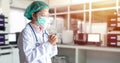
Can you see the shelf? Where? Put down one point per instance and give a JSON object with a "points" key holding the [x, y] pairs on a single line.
{"points": [[61, 13], [104, 4], [119, 2], [61, 9], [96, 48], [76, 7], [51, 15], [93, 15]]}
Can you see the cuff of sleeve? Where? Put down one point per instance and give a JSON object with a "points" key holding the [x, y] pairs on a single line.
{"points": [[48, 45]]}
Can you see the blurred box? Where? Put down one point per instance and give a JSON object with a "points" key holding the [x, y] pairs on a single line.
{"points": [[67, 36], [113, 40]]}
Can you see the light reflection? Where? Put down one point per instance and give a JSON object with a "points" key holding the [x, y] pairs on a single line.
{"points": [[85, 1]]}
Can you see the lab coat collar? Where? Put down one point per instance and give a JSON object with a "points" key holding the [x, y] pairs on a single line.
{"points": [[36, 28]]}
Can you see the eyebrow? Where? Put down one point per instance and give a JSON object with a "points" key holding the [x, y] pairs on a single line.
{"points": [[36, 12]]}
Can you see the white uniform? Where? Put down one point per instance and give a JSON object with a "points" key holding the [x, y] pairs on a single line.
{"points": [[35, 49]]}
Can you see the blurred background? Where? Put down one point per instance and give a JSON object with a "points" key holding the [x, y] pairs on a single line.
{"points": [[88, 30]]}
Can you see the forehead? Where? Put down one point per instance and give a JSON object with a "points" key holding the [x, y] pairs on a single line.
{"points": [[44, 10]]}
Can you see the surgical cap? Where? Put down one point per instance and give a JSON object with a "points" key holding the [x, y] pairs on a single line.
{"points": [[34, 7]]}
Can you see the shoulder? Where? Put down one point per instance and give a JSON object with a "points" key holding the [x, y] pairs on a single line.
{"points": [[27, 29]]}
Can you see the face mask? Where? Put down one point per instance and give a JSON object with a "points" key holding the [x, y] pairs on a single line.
{"points": [[42, 21]]}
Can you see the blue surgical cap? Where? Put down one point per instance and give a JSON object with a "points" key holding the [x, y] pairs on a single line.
{"points": [[34, 7]]}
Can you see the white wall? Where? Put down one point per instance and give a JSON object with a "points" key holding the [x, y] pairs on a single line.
{"points": [[22, 3], [17, 20], [0, 3], [5, 6]]}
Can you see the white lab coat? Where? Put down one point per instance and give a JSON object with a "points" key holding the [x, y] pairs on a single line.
{"points": [[29, 52]]}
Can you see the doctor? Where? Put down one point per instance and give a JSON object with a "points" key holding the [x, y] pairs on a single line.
{"points": [[34, 43]]}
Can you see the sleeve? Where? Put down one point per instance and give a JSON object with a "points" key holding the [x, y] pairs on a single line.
{"points": [[53, 50], [33, 53]]}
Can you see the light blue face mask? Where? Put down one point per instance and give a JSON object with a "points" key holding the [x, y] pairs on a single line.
{"points": [[42, 21]]}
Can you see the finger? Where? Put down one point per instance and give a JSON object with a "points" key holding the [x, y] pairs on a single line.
{"points": [[52, 36], [54, 39], [49, 36]]}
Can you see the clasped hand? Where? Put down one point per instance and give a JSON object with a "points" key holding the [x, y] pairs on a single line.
{"points": [[53, 39]]}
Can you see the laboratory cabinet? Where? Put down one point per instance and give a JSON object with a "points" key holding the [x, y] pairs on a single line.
{"points": [[88, 17], [6, 55], [83, 15], [15, 55], [68, 53], [6, 58], [89, 54], [9, 54], [113, 40]]}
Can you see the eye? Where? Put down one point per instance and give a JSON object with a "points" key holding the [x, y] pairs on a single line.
{"points": [[43, 14]]}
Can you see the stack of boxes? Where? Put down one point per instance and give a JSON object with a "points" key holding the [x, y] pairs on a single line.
{"points": [[113, 23]]}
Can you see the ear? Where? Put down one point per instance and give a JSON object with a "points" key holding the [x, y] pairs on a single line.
{"points": [[34, 17]]}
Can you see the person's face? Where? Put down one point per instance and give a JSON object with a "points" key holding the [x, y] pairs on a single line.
{"points": [[41, 14]]}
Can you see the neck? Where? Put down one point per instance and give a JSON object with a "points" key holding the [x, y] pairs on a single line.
{"points": [[36, 26]]}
